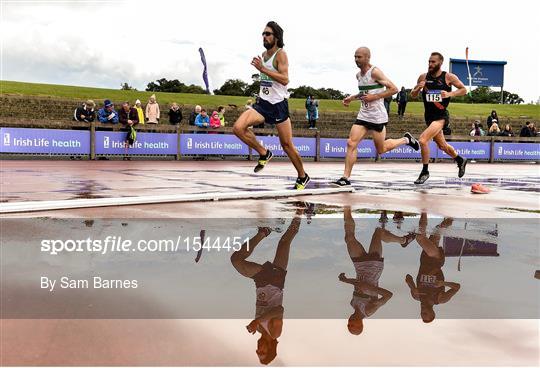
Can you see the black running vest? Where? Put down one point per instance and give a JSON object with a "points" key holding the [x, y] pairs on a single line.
{"points": [[434, 104]]}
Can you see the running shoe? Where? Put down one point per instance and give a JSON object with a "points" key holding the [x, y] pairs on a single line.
{"points": [[461, 168], [301, 183], [478, 188], [342, 182], [422, 178], [408, 239], [412, 141], [263, 160]]}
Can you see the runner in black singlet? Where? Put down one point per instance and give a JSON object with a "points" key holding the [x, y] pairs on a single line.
{"points": [[436, 86]]}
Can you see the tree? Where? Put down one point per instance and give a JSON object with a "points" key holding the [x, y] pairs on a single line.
{"points": [[126, 87], [174, 86], [482, 95], [255, 86], [321, 93], [232, 87]]}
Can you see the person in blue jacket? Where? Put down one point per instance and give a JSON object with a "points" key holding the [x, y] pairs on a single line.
{"points": [[107, 114], [202, 120]]}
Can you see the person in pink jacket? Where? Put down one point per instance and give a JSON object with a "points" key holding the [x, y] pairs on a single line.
{"points": [[152, 111], [215, 121]]}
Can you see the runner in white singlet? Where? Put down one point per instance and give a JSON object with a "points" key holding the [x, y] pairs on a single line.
{"points": [[373, 88], [368, 296], [269, 280], [272, 106]]}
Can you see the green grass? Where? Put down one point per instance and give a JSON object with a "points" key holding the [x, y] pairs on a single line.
{"points": [[99, 94]]}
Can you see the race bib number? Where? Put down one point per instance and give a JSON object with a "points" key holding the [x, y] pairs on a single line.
{"points": [[265, 86], [434, 96]]}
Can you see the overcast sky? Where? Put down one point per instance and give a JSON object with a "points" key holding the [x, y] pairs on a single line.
{"points": [[105, 43]]}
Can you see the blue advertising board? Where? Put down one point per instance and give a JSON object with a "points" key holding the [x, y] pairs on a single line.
{"points": [[483, 73]]}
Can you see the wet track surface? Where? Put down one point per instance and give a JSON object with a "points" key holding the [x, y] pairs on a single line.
{"points": [[390, 275]]}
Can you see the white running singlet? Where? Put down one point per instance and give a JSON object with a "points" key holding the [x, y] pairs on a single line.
{"points": [[271, 90], [372, 112]]}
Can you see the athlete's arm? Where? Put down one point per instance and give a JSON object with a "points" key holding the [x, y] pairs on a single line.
{"points": [[282, 66], [379, 76], [447, 295], [453, 80], [419, 85], [414, 290]]}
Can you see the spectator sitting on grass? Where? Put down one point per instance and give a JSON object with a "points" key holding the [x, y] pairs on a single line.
{"points": [[107, 114], [152, 111], [194, 114], [492, 118], [85, 112], [507, 132], [494, 129], [221, 113], [526, 130], [476, 129], [140, 111], [128, 117], [175, 114], [202, 120]]}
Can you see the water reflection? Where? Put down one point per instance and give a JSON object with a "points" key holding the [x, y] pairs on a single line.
{"points": [[368, 296], [430, 287], [269, 279]]}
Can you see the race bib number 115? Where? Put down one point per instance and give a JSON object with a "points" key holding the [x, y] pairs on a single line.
{"points": [[434, 96]]}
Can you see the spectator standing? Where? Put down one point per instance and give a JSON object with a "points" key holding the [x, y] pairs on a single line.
{"points": [[85, 113], [402, 99], [387, 102], [107, 114], [494, 129], [152, 111], [129, 118], [193, 115], [202, 120], [526, 130], [491, 117], [534, 133], [215, 121], [221, 113], [312, 107], [175, 114], [507, 131], [140, 111]]}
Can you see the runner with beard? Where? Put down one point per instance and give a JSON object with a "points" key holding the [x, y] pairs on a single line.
{"points": [[272, 106], [436, 86]]}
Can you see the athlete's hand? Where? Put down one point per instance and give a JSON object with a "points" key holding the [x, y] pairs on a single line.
{"points": [[347, 101], [252, 327], [257, 63], [446, 94], [420, 85], [369, 98]]}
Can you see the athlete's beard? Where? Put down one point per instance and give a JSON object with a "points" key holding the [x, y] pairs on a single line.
{"points": [[268, 45], [435, 69]]}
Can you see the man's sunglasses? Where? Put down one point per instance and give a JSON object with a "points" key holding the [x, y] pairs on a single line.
{"points": [[267, 34]]}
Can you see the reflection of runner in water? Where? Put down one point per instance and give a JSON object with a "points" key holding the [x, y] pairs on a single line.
{"points": [[430, 285], [269, 282], [368, 297]]}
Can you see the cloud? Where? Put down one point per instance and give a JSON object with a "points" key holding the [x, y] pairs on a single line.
{"points": [[103, 44]]}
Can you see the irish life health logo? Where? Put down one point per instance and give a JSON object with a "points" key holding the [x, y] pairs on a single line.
{"points": [[106, 142], [7, 139], [190, 143]]}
